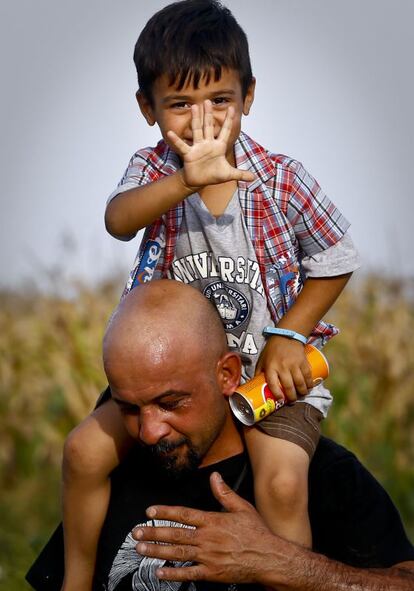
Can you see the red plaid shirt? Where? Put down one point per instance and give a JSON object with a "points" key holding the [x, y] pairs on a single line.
{"points": [[287, 216]]}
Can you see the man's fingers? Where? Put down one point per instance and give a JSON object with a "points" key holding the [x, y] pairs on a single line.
{"points": [[167, 551], [226, 496], [168, 535], [183, 515], [187, 573]]}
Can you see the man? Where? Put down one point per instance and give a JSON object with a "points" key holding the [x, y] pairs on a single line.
{"points": [[171, 373]]}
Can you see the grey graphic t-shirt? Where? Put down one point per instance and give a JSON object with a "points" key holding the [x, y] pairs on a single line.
{"points": [[216, 256]]}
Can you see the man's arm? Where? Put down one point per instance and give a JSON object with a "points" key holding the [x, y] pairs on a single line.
{"points": [[204, 163], [237, 547]]}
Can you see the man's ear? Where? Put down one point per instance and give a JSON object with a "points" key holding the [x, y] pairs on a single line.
{"points": [[145, 108], [229, 372], [249, 98]]}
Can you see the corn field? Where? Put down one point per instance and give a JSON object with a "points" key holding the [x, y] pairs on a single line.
{"points": [[51, 373]]}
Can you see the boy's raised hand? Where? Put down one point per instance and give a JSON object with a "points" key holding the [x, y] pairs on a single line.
{"points": [[205, 161], [284, 364]]}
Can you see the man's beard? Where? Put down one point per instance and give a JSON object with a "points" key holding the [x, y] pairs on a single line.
{"points": [[176, 464]]}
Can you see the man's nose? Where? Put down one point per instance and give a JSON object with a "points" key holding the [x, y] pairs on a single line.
{"points": [[152, 427]]}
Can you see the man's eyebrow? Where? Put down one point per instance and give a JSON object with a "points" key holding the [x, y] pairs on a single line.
{"points": [[122, 402], [172, 394], [157, 399]]}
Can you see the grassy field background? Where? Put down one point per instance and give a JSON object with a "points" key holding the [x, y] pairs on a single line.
{"points": [[51, 373]]}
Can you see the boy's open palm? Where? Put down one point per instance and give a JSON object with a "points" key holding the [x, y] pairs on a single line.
{"points": [[205, 161]]}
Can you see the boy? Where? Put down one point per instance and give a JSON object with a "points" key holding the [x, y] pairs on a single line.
{"points": [[242, 225]]}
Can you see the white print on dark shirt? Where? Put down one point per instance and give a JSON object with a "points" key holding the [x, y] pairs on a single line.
{"points": [[128, 561]]}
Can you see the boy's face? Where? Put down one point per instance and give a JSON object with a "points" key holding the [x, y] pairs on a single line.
{"points": [[171, 108]]}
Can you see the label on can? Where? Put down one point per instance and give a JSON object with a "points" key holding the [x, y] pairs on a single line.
{"points": [[265, 410], [253, 401]]}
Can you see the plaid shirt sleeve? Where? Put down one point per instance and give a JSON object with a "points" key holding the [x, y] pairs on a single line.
{"points": [[138, 172], [316, 221]]}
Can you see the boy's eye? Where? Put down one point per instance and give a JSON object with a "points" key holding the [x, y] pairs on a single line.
{"points": [[220, 100], [180, 105]]}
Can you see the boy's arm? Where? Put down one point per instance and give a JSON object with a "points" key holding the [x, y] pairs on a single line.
{"points": [[204, 163], [330, 258], [135, 209], [283, 360]]}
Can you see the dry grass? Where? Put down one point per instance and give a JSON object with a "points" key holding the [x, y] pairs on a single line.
{"points": [[50, 374], [372, 378]]}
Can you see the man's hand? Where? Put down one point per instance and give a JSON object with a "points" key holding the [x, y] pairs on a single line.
{"points": [[205, 160], [229, 547], [237, 547], [284, 364]]}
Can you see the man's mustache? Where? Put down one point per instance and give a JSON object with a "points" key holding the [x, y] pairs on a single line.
{"points": [[164, 446]]}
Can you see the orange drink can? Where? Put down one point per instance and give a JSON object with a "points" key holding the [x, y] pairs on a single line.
{"points": [[253, 401]]}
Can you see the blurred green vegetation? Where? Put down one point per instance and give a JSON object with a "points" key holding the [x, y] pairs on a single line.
{"points": [[51, 373]]}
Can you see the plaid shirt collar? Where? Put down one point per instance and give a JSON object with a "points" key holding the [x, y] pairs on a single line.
{"points": [[249, 155]]}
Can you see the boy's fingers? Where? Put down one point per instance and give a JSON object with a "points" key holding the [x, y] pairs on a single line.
{"points": [[307, 374], [227, 125], [288, 385], [272, 379], [196, 126], [299, 381], [208, 121], [244, 175], [181, 146]]}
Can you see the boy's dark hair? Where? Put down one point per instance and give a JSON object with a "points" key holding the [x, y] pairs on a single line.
{"points": [[190, 40]]}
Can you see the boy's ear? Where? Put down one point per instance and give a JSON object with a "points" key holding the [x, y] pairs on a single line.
{"points": [[249, 98], [145, 108], [229, 372]]}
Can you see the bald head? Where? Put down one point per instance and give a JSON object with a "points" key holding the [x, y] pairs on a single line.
{"points": [[158, 318], [171, 373]]}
